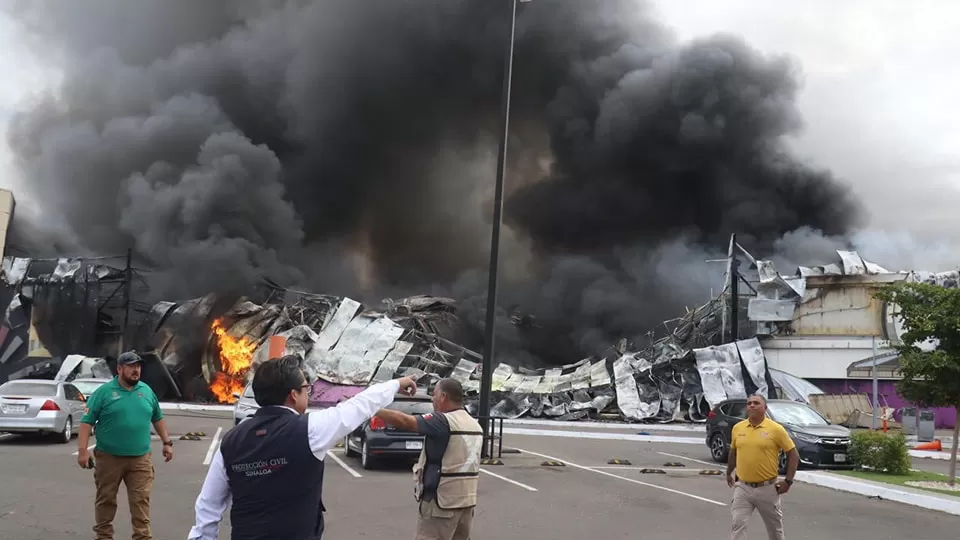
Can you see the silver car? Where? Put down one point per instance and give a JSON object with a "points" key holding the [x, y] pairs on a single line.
{"points": [[88, 386], [42, 407], [246, 405]]}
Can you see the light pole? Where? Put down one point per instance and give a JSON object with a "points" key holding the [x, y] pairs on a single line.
{"points": [[486, 375], [873, 375]]}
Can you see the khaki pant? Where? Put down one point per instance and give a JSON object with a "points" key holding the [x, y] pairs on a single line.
{"points": [[767, 502], [137, 474], [438, 524]]}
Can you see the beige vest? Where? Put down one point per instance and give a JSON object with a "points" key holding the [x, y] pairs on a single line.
{"points": [[460, 467]]}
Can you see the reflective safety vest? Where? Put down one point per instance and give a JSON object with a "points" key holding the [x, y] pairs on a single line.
{"points": [[460, 466]]}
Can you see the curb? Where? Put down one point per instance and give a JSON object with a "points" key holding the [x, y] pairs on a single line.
{"points": [[927, 454], [605, 436], [681, 427], [684, 428], [920, 500], [196, 407]]}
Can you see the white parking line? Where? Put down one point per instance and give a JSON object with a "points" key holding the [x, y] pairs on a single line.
{"points": [[505, 479], [343, 464], [672, 469], [691, 459], [214, 444], [631, 480]]}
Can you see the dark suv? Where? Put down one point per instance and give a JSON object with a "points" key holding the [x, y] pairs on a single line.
{"points": [[820, 443]]}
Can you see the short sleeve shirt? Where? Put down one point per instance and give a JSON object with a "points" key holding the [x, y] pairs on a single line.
{"points": [[436, 427], [758, 449], [123, 417]]}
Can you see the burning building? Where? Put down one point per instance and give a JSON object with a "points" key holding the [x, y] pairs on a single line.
{"points": [[60, 307]]}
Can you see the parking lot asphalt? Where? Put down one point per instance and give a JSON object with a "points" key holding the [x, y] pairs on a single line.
{"points": [[46, 496]]}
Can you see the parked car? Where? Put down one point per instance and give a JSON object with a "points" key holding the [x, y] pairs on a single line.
{"points": [[41, 407], [245, 406], [89, 386], [819, 443], [374, 441]]}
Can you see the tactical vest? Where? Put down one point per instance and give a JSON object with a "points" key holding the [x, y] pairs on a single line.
{"points": [[275, 479], [460, 466]]}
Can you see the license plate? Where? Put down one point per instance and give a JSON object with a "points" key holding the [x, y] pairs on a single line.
{"points": [[414, 445], [840, 458], [13, 409]]}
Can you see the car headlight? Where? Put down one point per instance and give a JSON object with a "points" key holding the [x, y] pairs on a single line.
{"points": [[806, 437]]}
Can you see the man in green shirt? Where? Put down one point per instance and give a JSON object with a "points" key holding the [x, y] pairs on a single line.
{"points": [[123, 411]]}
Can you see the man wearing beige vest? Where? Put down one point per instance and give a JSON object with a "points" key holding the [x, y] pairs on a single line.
{"points": [[449, 465]]}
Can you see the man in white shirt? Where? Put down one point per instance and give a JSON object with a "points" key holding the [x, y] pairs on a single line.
{"points": [[270, 466]]}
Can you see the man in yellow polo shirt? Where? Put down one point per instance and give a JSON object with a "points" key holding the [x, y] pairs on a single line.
{"points": [[755, 446]]}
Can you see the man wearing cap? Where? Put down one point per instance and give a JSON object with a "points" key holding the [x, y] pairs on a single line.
{"points": [[123, 411], [449, 466]]}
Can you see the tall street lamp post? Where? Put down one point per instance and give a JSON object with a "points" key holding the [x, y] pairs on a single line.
{"points": [[486, 378]]}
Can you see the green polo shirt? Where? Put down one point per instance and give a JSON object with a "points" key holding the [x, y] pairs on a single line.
{"points": [[123, 417]]}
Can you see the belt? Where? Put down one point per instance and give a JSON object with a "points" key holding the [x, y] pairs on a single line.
{"points": [[759, 484]]}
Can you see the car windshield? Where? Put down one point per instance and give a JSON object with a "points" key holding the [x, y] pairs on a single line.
{"points": [[796, 414], [248, 391], [412, 407], [28, 389], [87, 387]]}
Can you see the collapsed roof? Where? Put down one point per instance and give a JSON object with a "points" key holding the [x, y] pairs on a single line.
{"points": [[342, 342]]}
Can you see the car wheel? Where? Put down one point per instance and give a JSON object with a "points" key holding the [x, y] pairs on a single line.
{"points": [[346, 447], [366, 460], [67, 434], [718, 448], [782, 463]]}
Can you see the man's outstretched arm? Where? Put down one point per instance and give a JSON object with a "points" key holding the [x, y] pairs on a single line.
{"points": [[212, 502], [432, 424], [329, 426], [397, 419]]}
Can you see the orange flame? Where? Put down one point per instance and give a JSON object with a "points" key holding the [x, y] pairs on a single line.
{"points": [[236, 356], [224, 386]]}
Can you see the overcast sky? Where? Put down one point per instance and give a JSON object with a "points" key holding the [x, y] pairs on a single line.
{"points": [[878, 95]]}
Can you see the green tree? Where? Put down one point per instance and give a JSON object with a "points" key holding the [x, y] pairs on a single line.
{"points": [[930, 349]]}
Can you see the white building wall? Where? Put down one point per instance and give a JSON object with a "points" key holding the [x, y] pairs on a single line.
{"points": [[818, 357], [833, 326]]}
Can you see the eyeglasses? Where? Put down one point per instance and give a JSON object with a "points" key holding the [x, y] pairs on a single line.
{"points": [[309, 388]]}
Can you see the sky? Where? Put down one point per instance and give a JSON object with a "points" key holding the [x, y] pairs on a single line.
{"points": [[877, 101], [878, 95]]}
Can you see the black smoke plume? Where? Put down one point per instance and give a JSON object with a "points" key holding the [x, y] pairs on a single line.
{"points": [[350, 147]]}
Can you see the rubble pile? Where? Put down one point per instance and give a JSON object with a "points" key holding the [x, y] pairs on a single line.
{"points": [[343, 342]]}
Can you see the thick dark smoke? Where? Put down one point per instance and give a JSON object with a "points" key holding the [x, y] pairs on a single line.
{"points": [[350, 147]]}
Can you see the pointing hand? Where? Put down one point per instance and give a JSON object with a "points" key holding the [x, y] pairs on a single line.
{"points": [[408, 386]]}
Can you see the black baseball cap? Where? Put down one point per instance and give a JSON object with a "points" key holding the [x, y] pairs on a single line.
{"points": [[129, 357]]}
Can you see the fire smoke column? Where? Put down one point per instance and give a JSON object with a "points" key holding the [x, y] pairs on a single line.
{"points": [[257, 139]]}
